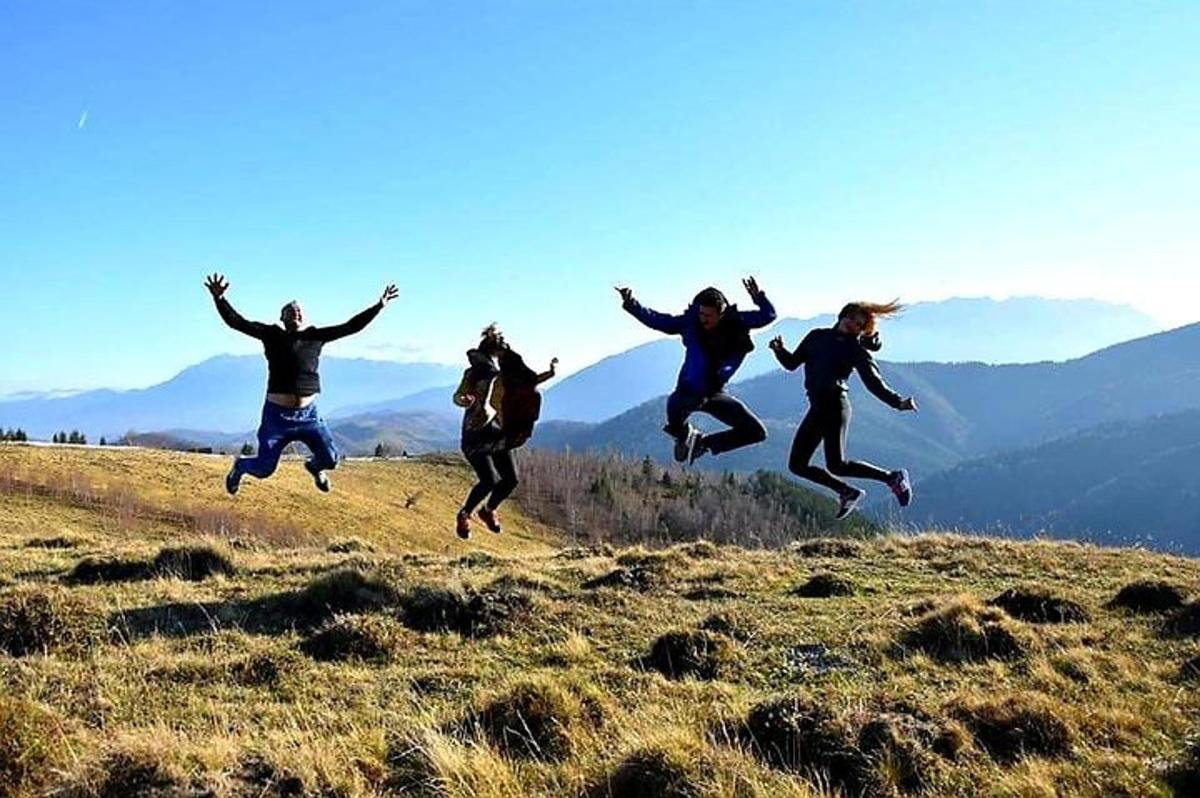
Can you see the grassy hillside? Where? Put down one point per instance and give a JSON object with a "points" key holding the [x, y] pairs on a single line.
{"points": [[396, 505], [128, 669]]}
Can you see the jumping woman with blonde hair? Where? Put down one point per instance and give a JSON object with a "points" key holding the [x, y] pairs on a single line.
{"points": [[829, 355]]}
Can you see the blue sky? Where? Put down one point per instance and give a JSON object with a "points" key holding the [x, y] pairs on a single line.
{"points": [[514, 160]]}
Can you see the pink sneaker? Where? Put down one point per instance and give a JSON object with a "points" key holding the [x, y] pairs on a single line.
{"points": [[490, 520]]}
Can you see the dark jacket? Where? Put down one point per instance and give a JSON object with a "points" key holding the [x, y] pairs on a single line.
{"points": [[501, 402], [829, 357], [293, 358], [711, 358]]}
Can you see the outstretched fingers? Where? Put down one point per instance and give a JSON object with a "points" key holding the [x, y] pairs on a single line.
{"points": [[216, 284], [389, 293]]}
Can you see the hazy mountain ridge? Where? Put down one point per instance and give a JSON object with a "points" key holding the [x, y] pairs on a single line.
{"points": [[223, 394]]}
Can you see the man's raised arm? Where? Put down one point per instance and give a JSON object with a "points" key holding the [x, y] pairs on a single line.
{"points": [[358, 322], [217, 285]]}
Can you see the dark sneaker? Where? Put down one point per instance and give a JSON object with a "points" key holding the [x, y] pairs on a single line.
{"points": [[697, 448], [683, 444], [319, 478], [233, 480], [490, 520], [901, 486], [849, 500], [463, 527]]}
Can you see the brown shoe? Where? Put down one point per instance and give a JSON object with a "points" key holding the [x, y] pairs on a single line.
{"points": [[463, 527], [489, 518]]}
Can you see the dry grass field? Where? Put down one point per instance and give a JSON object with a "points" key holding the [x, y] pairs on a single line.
{"points": [[159, 638]]}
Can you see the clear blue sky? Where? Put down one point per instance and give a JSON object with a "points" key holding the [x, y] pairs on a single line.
{"points": [[514, 160]]}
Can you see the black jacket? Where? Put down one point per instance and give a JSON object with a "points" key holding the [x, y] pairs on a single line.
{"points": [[829, 357], [293, 358]]}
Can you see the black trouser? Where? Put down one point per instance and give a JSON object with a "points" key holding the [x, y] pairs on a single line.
{"points": [[497, 476], [744, 426], [826, 423]]}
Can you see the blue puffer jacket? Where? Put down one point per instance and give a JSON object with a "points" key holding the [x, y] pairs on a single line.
{"points": [[712, 358]]}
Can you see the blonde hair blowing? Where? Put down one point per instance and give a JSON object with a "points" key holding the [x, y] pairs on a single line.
{"points": [[873, 311]]}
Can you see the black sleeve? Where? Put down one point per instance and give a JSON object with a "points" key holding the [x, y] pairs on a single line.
{"points": [[793, 360], [868, 370], [356, 324], [234, 319]]}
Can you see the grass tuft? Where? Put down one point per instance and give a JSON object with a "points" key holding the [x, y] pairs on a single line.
{"points": [[824, 586], [653, 772], [833, 548], [1039, 606], [800, 736], [44, 620], [30, 745], [367, 638], [537, 718], [1017, 726], [193, 563], [1148, 597], [963, 630], [476, 614], [700, 654]]}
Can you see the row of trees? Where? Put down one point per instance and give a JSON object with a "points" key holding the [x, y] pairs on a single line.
{"points": [[625, 501], [74, 437], [17, 435]]}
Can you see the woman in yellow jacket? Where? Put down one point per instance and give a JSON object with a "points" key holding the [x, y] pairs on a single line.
{"points": [[499, 396]]}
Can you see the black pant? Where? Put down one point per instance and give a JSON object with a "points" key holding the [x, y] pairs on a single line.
{"points": [[497, 476], [745, 428], [826, 421]]}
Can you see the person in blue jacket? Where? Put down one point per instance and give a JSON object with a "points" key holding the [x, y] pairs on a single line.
{"points": [[716, 339]]}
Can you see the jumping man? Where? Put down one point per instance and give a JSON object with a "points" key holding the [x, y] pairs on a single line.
{"points": [[290, 411]]}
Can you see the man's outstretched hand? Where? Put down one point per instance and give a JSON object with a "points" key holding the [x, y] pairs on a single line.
{"points": [[909, 404], [389, 293], [776, 344], [217, 285], [625, 292], [752, 288]]}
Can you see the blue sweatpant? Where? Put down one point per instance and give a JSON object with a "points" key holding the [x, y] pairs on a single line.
{"points": [[283, 425]]}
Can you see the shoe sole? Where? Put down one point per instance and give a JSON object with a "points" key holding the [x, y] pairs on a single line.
{"points": [[842, 515], [905, 496], [683, 445]]}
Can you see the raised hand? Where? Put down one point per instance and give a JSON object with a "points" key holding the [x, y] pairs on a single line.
{"points": [[625, 292], [751, 286], [909, 405], [389, 293], [217, 285], [553, 366], [776, 344]]}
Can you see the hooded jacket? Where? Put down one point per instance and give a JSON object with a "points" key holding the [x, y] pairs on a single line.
{"points": [[711, 357], [499, 394]]}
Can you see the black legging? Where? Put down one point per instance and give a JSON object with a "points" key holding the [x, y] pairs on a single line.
{"points": [[497, 476], [826, 422]]}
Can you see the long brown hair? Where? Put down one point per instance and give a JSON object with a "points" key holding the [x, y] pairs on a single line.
{"points": [[873, 312]]}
